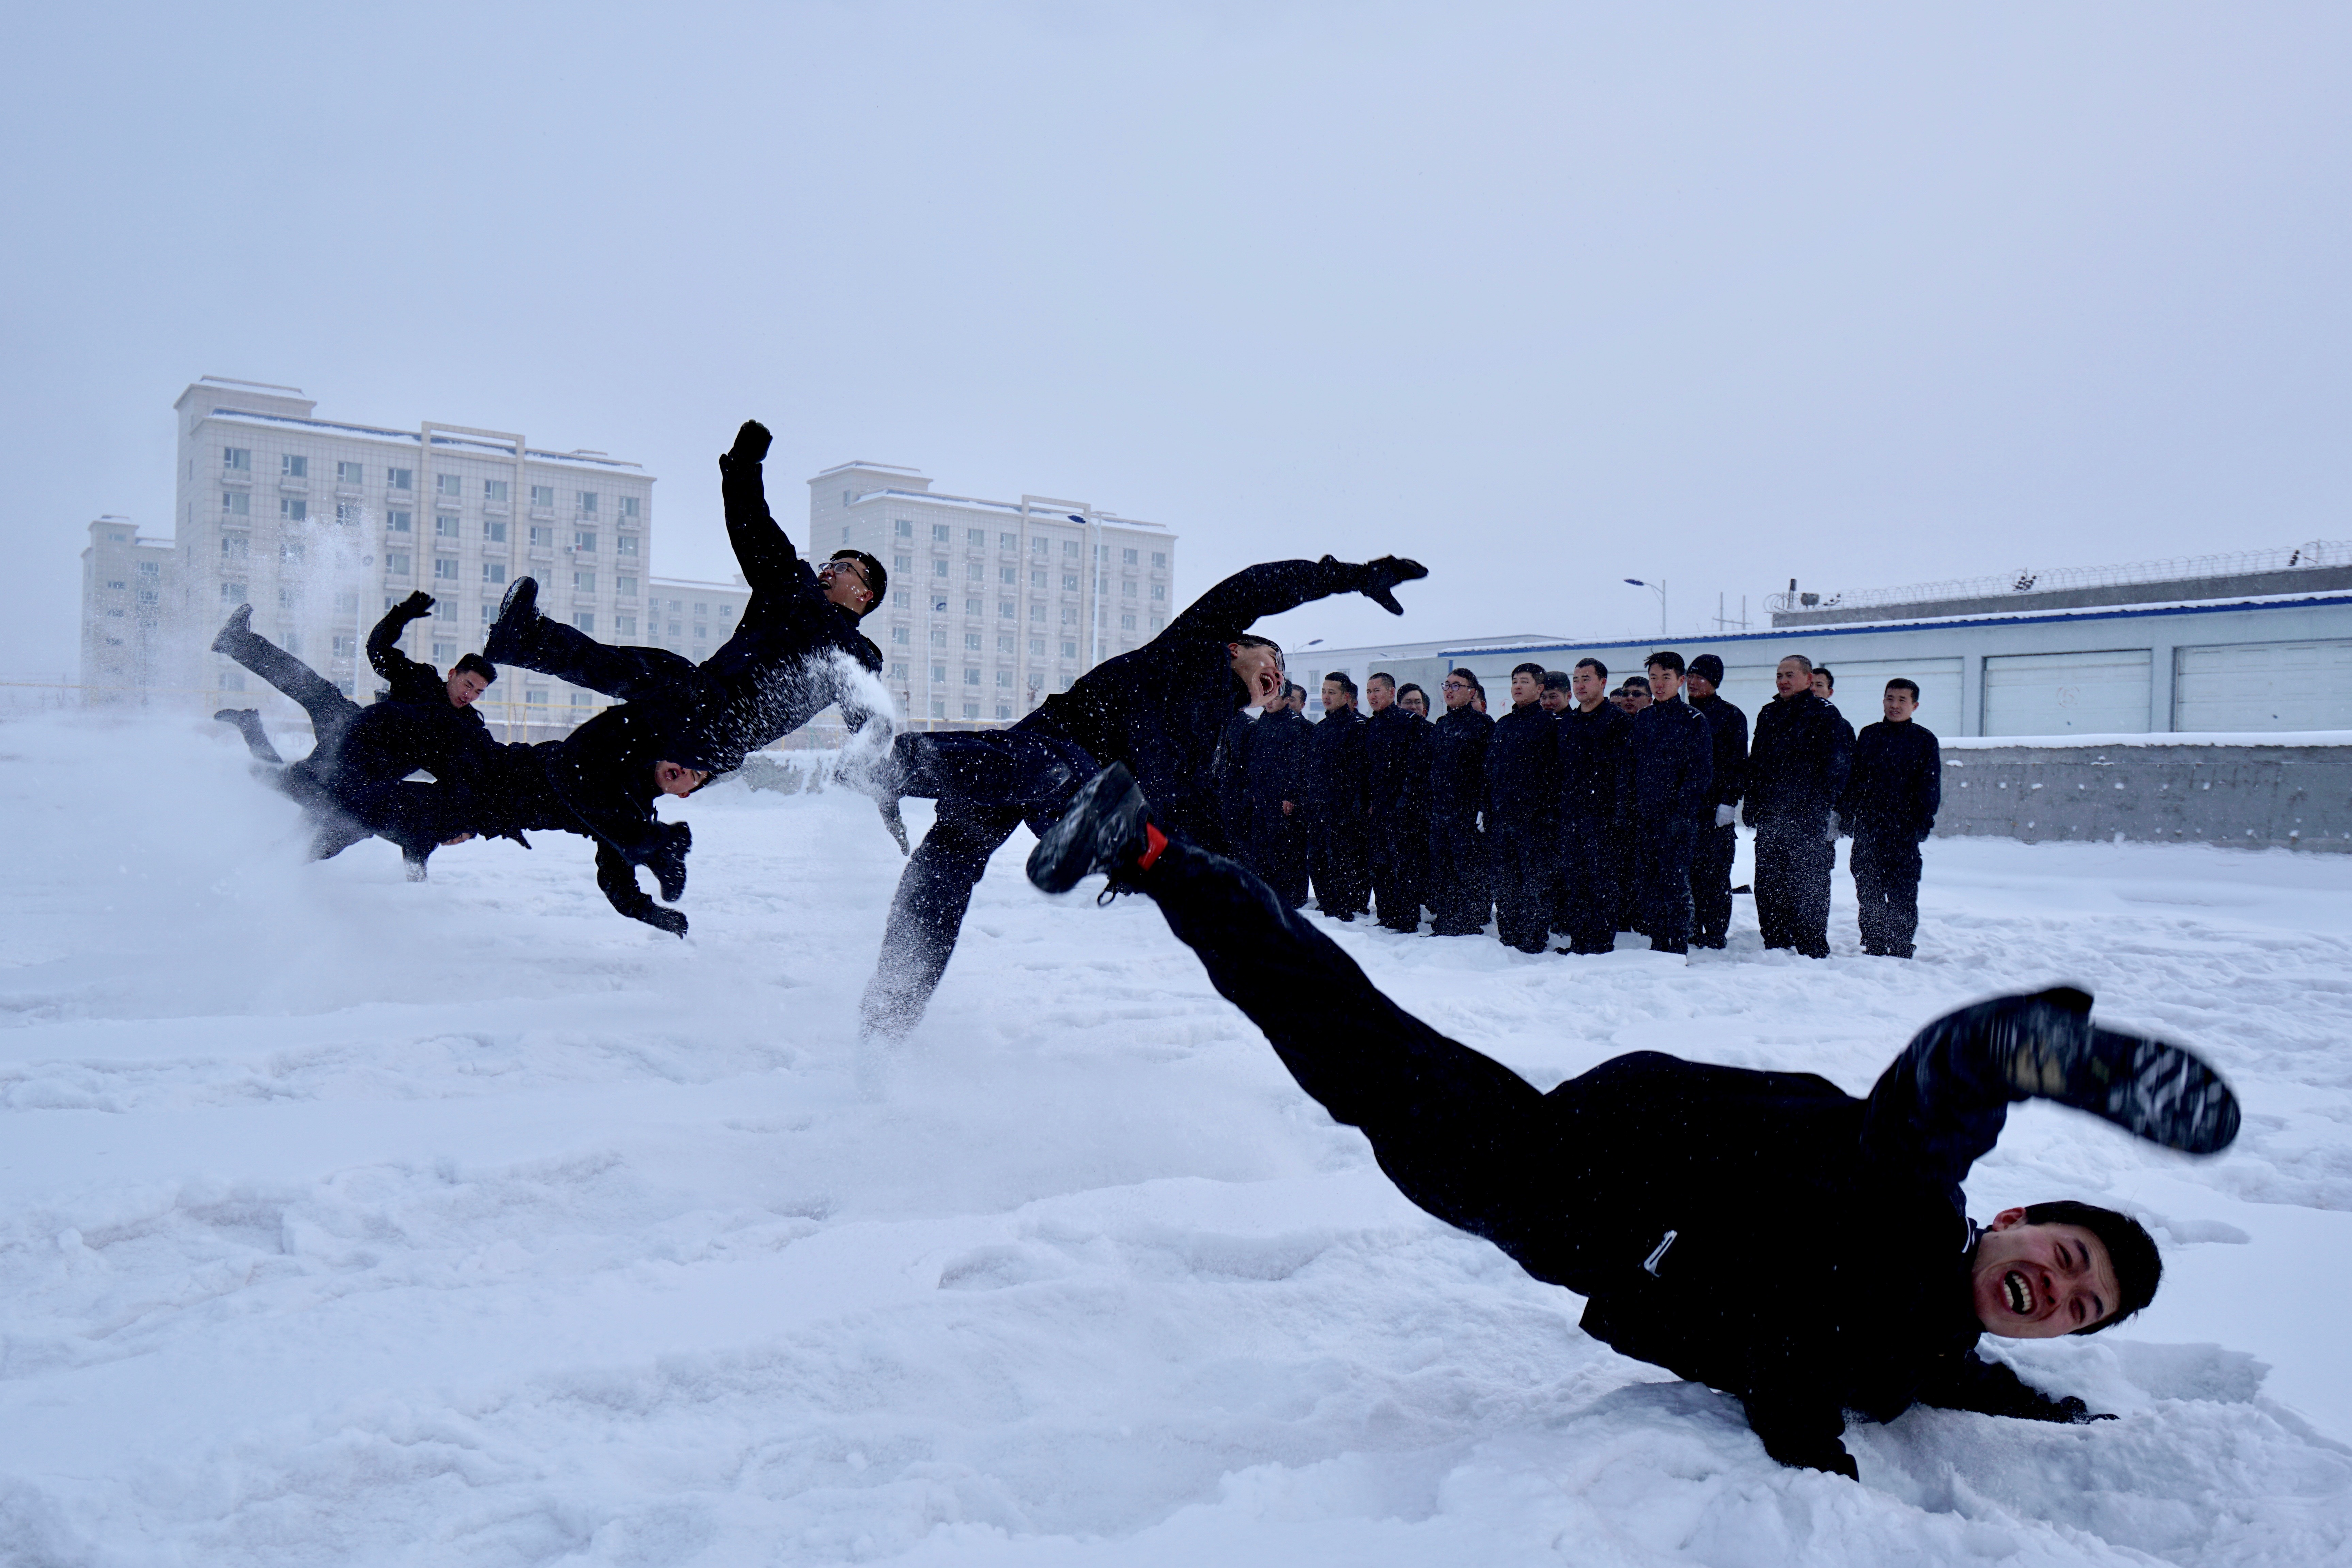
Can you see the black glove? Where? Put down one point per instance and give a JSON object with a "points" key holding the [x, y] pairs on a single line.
{"points": [[750, 445], [414, 607], [1381, 575]]}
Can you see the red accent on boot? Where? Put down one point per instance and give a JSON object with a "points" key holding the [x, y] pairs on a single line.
{"points": [[1154, 843]]}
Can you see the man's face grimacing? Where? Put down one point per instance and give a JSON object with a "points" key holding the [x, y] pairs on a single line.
{"points": [[1793, 678], [844, 584], [1335, 699], [673, 779], [2038, 1281], [1260, 669], [1525, 689], [1899, 705], [464, 686], [1379, 694]]}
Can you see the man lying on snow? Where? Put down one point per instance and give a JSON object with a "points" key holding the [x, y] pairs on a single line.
{"points": [[1759, 1232]]}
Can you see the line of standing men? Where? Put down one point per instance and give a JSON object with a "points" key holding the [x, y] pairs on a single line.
{"points": [[1585, 810]]}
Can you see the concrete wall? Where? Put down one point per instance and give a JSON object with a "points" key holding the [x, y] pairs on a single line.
{"points": [[2256, 794]]}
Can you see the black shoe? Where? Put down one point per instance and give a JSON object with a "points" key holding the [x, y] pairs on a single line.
{"points": [[666, 859], [511, 634], [2151, 1088], [1102, 830], [239, 624]]}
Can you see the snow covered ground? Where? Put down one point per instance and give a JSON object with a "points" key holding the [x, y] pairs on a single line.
{"points": [[353, 1222]]}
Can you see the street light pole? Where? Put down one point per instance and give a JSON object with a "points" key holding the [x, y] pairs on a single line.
{"points": [[1659, 588]]}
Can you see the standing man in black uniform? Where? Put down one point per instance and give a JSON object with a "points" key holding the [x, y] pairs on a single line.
{"points": [[796, 651], [1797, 769], [1160, 708], [1459, 901], [1414, 701], [1891, 798], [1522, 798], [1718, 835], [1339, 803], [1396, 749], [1671, 763], [1276, 841], [1593, 762], [1763, 1232]]}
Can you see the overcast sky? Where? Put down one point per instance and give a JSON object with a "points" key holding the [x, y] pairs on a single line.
{"points": [[1546, 296]]}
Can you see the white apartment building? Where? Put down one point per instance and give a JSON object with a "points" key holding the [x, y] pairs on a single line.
{"points": [[323, 524], [993, 604], [127, 584]]}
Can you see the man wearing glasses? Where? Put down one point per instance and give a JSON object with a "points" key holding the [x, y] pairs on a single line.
{"points": [[796, 651]]}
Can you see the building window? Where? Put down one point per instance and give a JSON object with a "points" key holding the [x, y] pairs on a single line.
{"points": [[293, 508], [939, 674], [584, 542], [1004, 677], [629, 509], [1070, 549], [970, 676], [627, 587], [1009, 541], [582, 700], [1069, 650], [1127, 623], [971, 709], [898, 669], [444, 527], [232, 547], [585, 620], [938, 707], [234, 503], [972, 641], [1040, 546], [625, 626], [291, 467], [1003, 642], [237, 459], [542, 537], [347, 512], [1069, 581], [443, 652], [585, 583], [1069, 617], [400, 479], [939, 567], [449, 485], [899, 634], [974, 572], [534, 699], [494, 529], [906, 528], [1038, 614], [1007, 575], [347, 473], [398, 522], [444, 568], [1159, 591], [543, 495], [627, 544], [395, 563], [1127, 588], [1159, 622], [1002, 711], [971, 606], [495, 491], [902, 563], [1159, 561], [975, 537], [938, 533], [232, 593], [1005, 609], [1036, 647], [587, 503], [1127, 556], [288, 598], [494, 572], [940, 639]]}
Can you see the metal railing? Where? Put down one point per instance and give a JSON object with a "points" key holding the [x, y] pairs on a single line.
{"points": [[2318, 552]]}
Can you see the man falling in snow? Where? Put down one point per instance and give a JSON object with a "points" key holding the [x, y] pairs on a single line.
{"points": [[1759, 1232]]}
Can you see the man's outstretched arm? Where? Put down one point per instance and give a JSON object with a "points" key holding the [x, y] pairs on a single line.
{"points": [[1270, 587], [383, 643], [762, 549], [1972, 1382]]}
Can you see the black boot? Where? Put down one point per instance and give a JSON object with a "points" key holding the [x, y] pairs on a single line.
{"points": [[666, 859], [511, 636], [1106, 829], [2148, 1086], [246, 722], [239, 624]]}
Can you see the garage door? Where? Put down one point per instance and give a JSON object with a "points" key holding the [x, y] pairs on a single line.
{"points": [[1860, 687], [2067, 693], [2248, 686]]}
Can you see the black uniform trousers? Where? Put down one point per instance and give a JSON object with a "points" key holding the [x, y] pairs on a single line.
{"points": [[1459, 902], [1587, 885], [1661, 857], [1886, 880], [1793, 861], [1400, 873], [1710, 883], [329, 710], [987, 784], [1338, 861], [1277, 852], [1524, 857]]}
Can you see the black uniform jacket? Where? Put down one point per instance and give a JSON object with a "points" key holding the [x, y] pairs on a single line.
{"points": [[1162, 708], [1769, 1236], [1457, 766], [1671, 763], [1729, 727], [784, 662], [1523, 768], [1276, 770], [1397, 757], [1896, 784], [1593, 760], [1797, 765], [1338, 773]]}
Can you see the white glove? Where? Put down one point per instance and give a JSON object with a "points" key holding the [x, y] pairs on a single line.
{"points": [[1723, 816]]}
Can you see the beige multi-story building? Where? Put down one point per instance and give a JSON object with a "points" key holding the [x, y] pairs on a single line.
{"points": [[127, 584], [322, 525], [993, 603]]}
